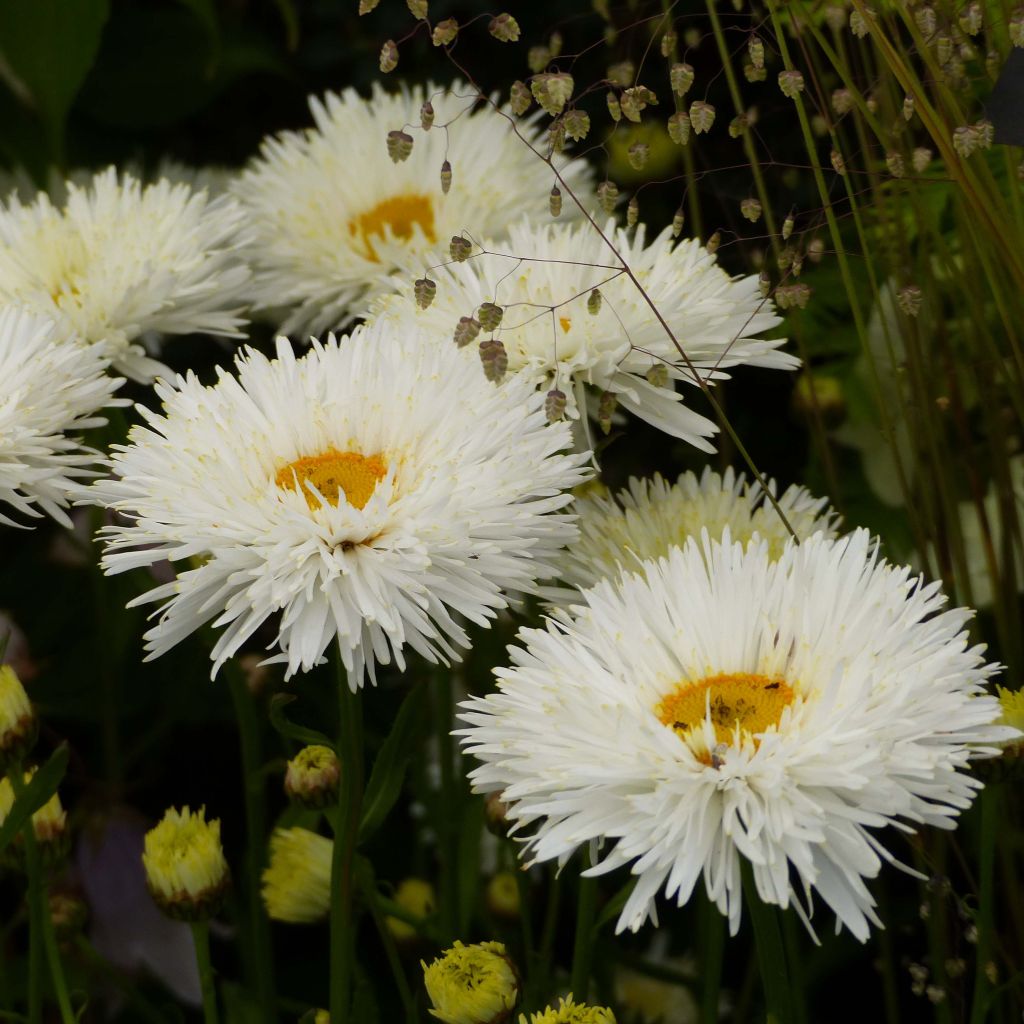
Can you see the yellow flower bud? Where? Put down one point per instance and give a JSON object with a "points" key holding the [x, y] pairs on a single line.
{"points": [[297, 881], [502, 895], [49, 824], [417, 897], [185, 867], [472, 984], [18, 725], [311, 778], [568, 1012]]}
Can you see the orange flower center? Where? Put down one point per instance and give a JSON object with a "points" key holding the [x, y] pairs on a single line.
{"points": [[335, 475], [399, 213], [752, 702]]}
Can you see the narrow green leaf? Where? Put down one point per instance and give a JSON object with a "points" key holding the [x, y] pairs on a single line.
{"points": [[289, 729], [392, 760], [614, 906], [38, 790]]}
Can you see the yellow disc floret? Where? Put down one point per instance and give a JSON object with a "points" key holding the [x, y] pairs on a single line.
{"points": [[297, 881], [1011, 703], [753, 703], [336, 476], [568, 1012], [402, 214], [185, 867], [472, 984]]}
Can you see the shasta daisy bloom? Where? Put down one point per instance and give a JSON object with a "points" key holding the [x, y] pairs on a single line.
{"points": [[52, 390], [558, 334], [372, 491], [723, 705], [333, 215], [650, 516], [119, 261]]}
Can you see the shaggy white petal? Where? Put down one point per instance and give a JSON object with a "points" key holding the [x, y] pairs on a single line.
{"points": [[888, 707], [651, 516], [543, 277], [118, 261], [51, 389], [321, 251], [467, 512]]}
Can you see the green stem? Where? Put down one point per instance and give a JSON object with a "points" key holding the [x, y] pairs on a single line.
{"points": [[771, 953], [350, 794], [261, 971], [371, 896], [201, 938], [989, 801], [712, 949], [583, 946], [448, 825]]}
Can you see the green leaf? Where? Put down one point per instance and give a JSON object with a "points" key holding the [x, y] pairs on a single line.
{"points": [[49, 46], [38, 790], [289, 729], [392, 760], [614, 906]]}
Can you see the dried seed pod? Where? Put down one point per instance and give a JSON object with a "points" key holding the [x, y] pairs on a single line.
{"points": [[755, 48], [791, 83], [785, 258], [388, 56], [489, 314], [594, 302], [909, 299], [554, 405], [365, 6], [555, 201], [985, 132], [679, 128], [614, 107], [638, 153], [494, 359], [556, 135], [632, 212], [815, 250], [622, 74], [858, 24], [538, 58], [417, 8], [424, 290], [577, 124], [787, 226], [943, 49], [926, 20], [607, 194], [738, 125], [552, 91], [504, 28], [446, 177], [555, 43], [751, 209], [466, 330], [519, 98], [764, 284], [753, 74], [713, 243], [894, 161], [971, 18], [702, 116], [657, 375], [605, 410], [632, 103], [965, 140], [835, 16], [908, 107], [445, 32], [793, 296], [399, 146], [460, 248], [427, 116], [1017, 27], [842, 101], [680, 78], [838, 163], [677, 223], [669, 40]]}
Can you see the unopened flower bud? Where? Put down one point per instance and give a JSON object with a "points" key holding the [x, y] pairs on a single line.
{"points": [[519, 98], [186, 872], [18, 724], [472, 984], [489, 315], [445, 32], [494, 359], [680, 78], [496, 814], [388, 56], [312, 776], [417, 898], [296, 883], [502, 896], [909, 299], [399, 145], [657, 375], [791, 83], [424, 291], [632, 212], [751, 209], [714, 242], [504, 28], [679, 128], [466, 331], [427, 116], [702, 116], [607, 194], [554, 405], [49, 824], [460, 248], [606, 409]]}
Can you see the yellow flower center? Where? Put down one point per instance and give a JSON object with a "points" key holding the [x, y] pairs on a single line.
{"points": [[335, 475], [400, 213], [753, 702]]}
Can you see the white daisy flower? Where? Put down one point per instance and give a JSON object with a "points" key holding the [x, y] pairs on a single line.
{"points": [[369, 491], [552, 333], [51, 391], [118, 262], [333, 215], [725, 705], [651, 516]]}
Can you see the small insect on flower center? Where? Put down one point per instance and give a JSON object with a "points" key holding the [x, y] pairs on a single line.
{"points": [[336, 475], [753, 702], [399, 213]]}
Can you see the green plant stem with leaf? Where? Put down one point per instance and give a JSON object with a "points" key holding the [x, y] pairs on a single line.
{"points": [[201, 940], [771, 952], [583, 946]]}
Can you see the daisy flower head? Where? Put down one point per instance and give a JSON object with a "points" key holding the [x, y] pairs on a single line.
{"points": [[371, 491], [570, 317], [119, 263], [649, 517], [52, 390], [333, 215], [722, 706]]}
